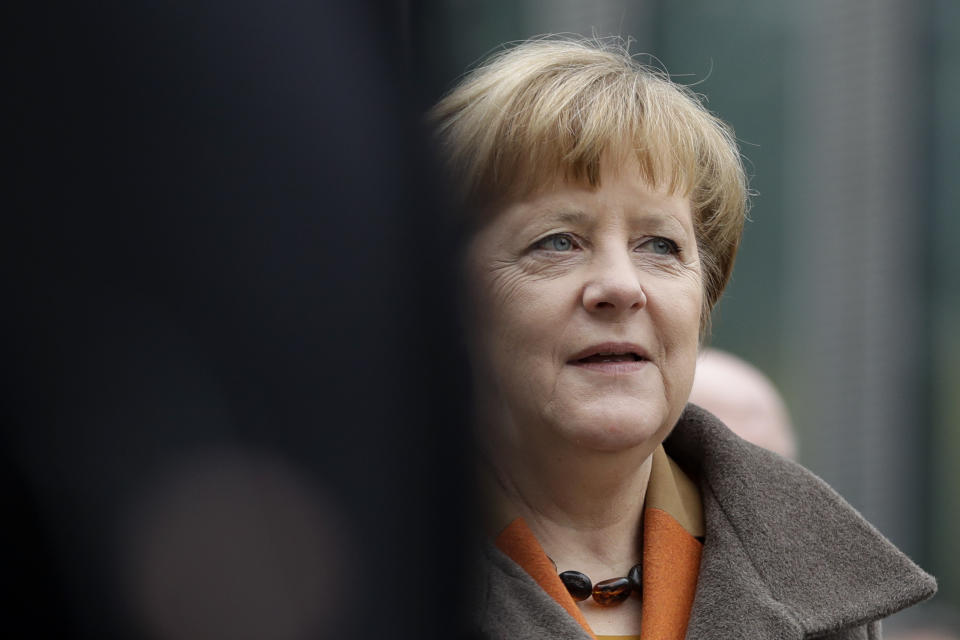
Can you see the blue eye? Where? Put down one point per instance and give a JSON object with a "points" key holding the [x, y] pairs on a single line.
{"points": [[556, 242], [660, 246]]}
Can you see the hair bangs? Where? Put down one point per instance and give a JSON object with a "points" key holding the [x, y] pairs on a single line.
{"points": [[570, 122]]}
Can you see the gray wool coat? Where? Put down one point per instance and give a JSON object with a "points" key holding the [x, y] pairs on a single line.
{"points": [[784, 556]]}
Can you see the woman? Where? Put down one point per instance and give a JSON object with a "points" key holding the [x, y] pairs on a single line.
{"points": [[607, 206]]}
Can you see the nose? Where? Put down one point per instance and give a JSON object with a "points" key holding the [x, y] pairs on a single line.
{"points": [[614, 286]]}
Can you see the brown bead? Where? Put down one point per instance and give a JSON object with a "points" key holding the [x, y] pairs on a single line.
{"points": [[612, 591], [636, 579], [578, 584]]}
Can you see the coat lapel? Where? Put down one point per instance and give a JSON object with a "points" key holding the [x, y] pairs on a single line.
{"points": [[510, 604], [784, 555]]}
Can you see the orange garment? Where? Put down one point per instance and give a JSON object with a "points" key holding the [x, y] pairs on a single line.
{"points": [[673, 520]]}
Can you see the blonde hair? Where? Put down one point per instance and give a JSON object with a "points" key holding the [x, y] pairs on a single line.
{"points": [[553, 106]]}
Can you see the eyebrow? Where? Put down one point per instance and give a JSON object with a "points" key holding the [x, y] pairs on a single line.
{"points": [[568, 216], [579, 217]]}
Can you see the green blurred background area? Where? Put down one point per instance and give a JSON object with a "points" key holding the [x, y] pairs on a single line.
{"points": [[846, 292]]}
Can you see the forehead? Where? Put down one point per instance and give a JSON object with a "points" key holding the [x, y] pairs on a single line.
{"points": [[622, 193]]}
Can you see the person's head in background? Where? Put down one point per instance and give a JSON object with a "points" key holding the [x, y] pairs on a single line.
{"points": [[745, 400]]}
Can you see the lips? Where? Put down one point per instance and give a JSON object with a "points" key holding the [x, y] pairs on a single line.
{"points": [[610, 352], [612, 357]]}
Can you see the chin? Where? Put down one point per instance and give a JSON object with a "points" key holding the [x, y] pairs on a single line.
{"points": [[615, 431]]}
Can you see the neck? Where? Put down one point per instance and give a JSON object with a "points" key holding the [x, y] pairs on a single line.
{"points": [[584, 507]]}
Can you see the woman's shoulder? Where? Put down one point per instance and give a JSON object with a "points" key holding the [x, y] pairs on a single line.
{"points": [[710, 452], [777, 531]]}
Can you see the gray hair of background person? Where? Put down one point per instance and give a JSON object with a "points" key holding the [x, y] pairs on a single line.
{"points": [[744, 399]]}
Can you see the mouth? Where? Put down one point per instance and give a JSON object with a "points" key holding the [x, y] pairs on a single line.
{"points": [[610, 354]]}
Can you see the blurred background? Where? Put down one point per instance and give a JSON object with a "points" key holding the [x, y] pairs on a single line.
{"points": [[231, 382], [846, 291]]}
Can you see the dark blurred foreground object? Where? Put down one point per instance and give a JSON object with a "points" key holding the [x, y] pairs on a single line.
{"points": [[233, 393]]}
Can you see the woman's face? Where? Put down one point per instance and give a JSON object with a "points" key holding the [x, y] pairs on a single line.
{"points": [[587, 315]]}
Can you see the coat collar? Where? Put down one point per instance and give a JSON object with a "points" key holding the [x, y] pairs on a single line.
{"points": [[784, 555]]}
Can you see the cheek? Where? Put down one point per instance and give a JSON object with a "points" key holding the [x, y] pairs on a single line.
{"points": [[510, 301], [494, 282], [682, 304], [499, 322], [524, 323], [681, 314], [518, 325]]}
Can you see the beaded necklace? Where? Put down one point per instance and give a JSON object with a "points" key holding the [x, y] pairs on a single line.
{"points": [[606, 592]]}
